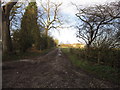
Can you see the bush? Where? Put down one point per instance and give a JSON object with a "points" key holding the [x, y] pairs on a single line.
{"points": [[106, 56], [89, 64]]}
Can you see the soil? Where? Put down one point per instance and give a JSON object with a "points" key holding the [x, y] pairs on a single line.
{"points": [[53, 70]]}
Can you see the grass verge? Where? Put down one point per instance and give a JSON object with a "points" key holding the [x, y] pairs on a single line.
{"points": [[101, 71]]}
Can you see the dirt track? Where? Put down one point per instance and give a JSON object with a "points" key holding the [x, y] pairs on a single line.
{"points": [[53, 70]]}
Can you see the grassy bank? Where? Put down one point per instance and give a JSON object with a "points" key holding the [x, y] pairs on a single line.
{"points": [[27, 55], [101, 71]]}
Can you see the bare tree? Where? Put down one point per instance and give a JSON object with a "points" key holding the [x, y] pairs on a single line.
{"points": [[95, 20], [49, 16], [106, 41], [7, 43]]}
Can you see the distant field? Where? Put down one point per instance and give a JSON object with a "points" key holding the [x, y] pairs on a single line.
{"points": [[72, 45]]}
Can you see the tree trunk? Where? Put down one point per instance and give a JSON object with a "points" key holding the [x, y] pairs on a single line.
{"points": [[98, 61], [6, 38], [7, 42], [88, 51], [46, 33]]}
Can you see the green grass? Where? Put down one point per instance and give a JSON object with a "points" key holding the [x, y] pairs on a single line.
{"points": [[101, 71], [26, 55]]}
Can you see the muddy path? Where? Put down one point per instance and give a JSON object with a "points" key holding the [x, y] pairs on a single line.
{"points": [[52, 70]]}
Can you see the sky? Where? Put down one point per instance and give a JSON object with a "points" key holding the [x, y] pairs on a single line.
{"points": [[68, 35], [68, 11]]}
